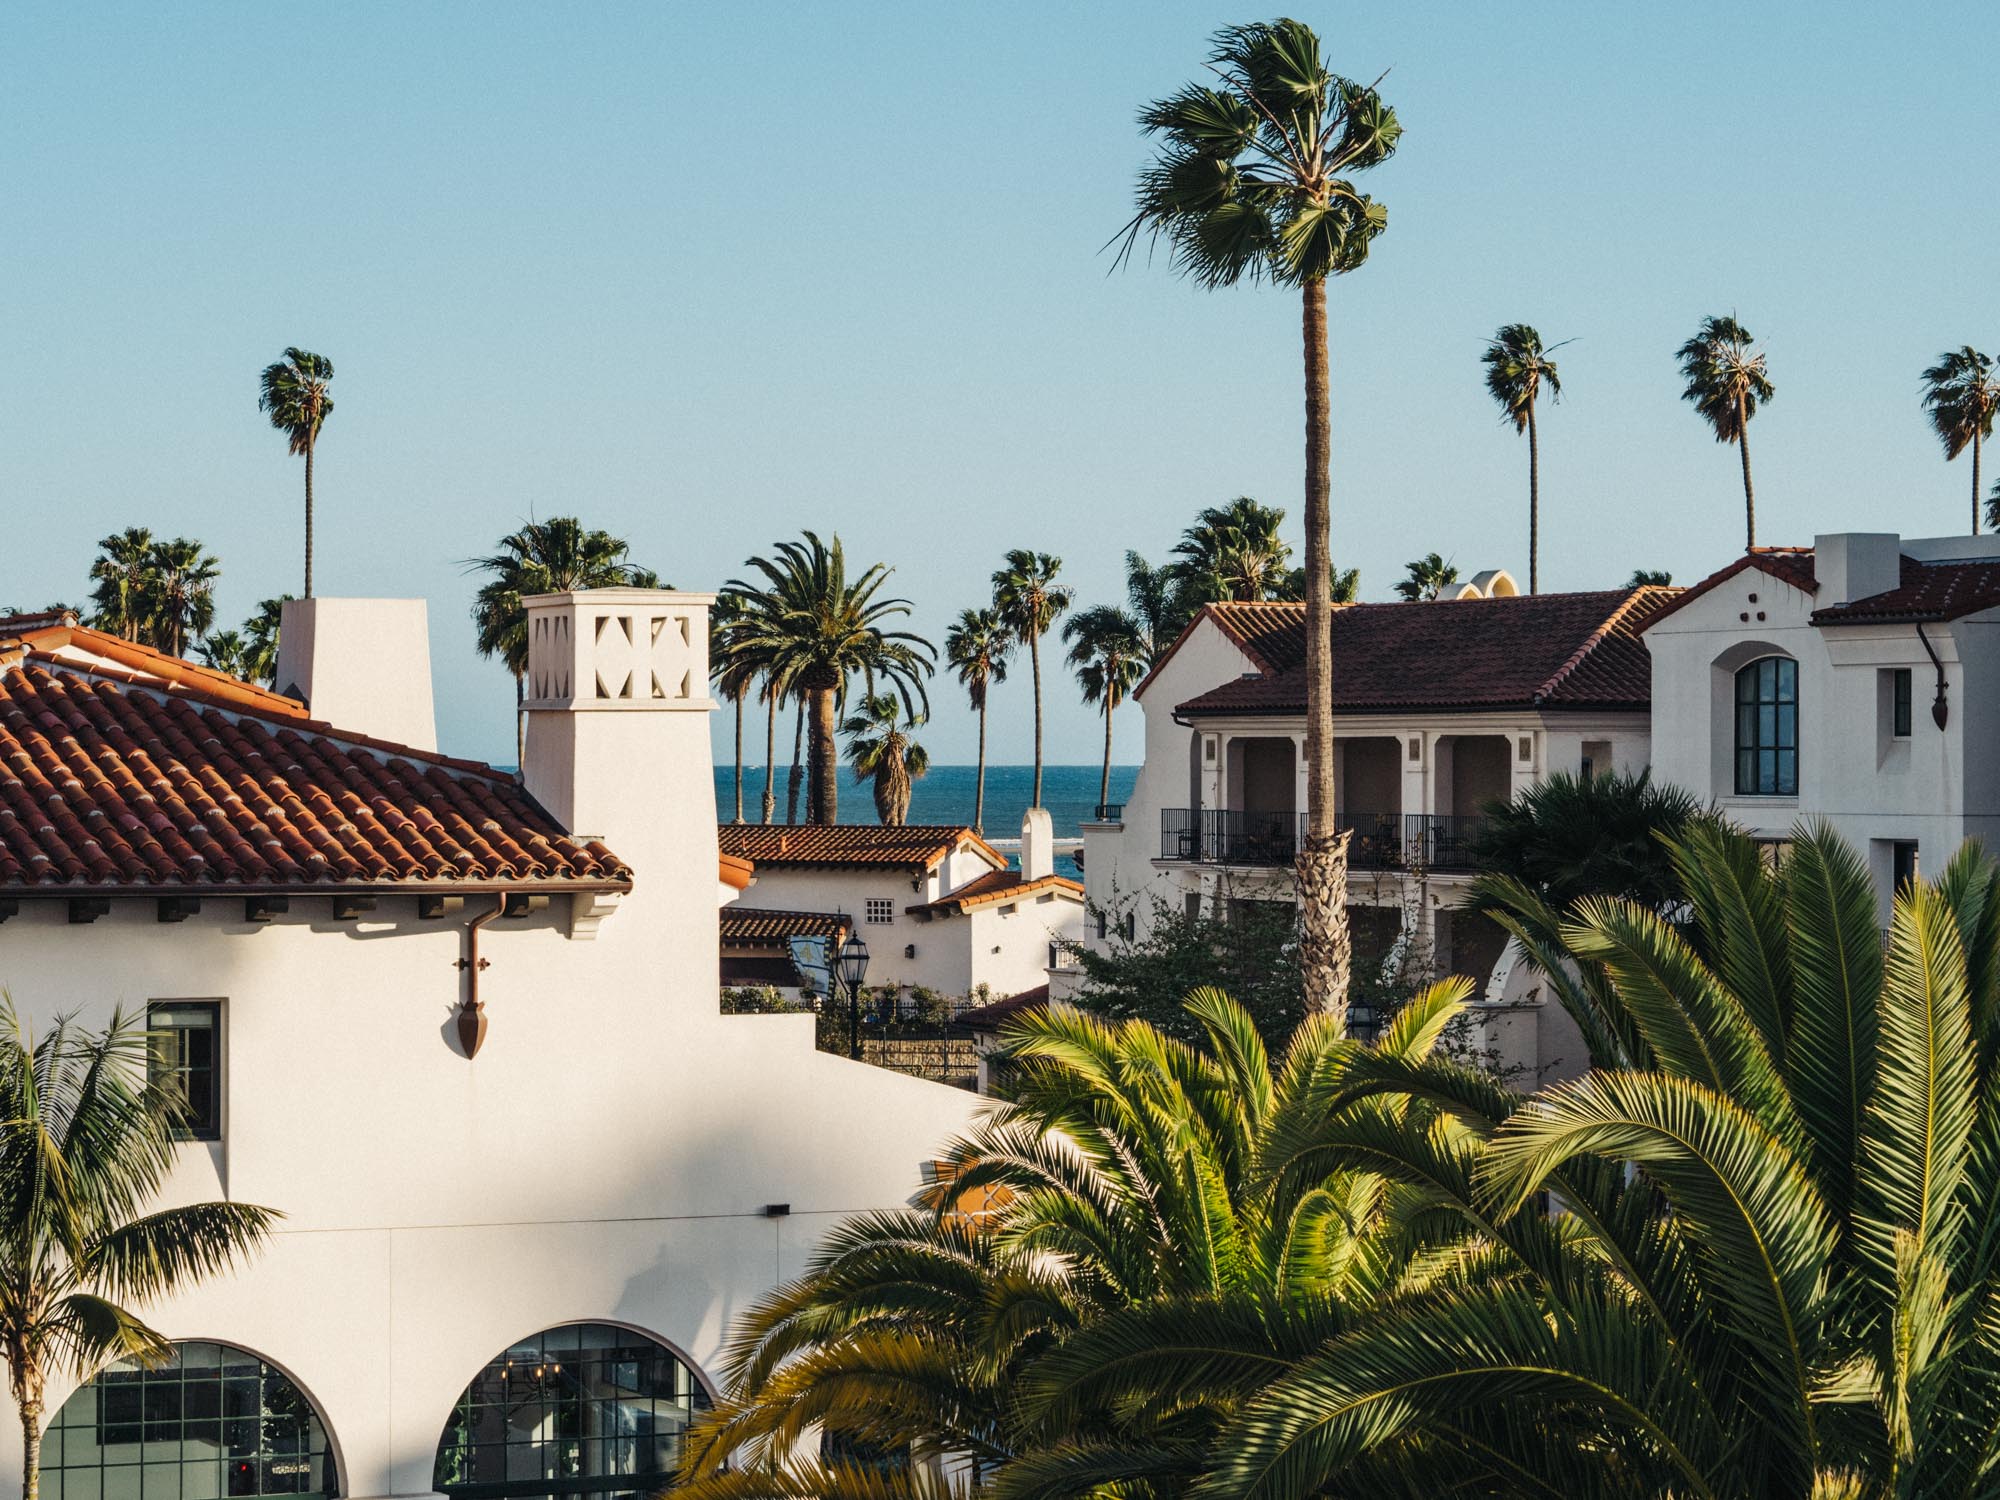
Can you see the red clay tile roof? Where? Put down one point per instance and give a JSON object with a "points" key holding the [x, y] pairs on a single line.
{"points": [[743, 926], [914, 846], [731, 870], [1926, 591], [1560, 650], [122, 782], [1000, 885], [989, 1017], [1791, 565]]}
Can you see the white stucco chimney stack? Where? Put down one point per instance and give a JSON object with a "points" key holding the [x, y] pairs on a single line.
{"points": [[617, 740], [1038, 837], [1850, 565], [363, 665]]}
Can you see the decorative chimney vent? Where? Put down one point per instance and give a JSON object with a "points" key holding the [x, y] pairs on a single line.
{"points": [[617, 648]]}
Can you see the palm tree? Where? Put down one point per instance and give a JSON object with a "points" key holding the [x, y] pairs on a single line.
{"points": [[977, 647], [1161, 1241], [293, 392], [1108, 651], [733, 671], [1152, 596], [1028, 599], [1569, 837], [1253, 183], [227, 651], [1649, 577], [1962, 397], [818, 629], [881, 750], [555, 556], [1233, 553], [1428, 578], [87, 1145], [260, 641], [1727, 382], [123, 590], [1517, 367], [183, 585]]}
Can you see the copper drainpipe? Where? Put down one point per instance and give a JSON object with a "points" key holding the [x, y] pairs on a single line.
{"points": [[471, 1012]]}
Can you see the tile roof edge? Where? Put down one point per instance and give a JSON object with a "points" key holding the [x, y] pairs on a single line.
{"points": [[57, 890], [1597, 637], [1002, 893], [1160, 662], [1757, 558], [194, 679]]}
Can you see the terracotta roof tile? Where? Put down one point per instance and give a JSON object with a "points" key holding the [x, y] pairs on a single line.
{"points": [[1000, 885], [1579, 649], [912, 846], [108, 780], [747, 925], [990, 1016], [1790, 565], [1926, 591]]}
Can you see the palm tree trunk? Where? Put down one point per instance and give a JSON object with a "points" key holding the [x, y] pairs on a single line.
{"points": [[1035, 660], [979, 780], [770, 755], [823, 787], [1104, 777], [739, 755], [1324, 951], [1975, 481], [1749, 494], [520, 722], [1534, 505], [792, 778], [28, 1399], [309, 518]]}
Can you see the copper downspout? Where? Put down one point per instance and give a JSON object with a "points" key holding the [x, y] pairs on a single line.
{"points": [[471, 1012]]}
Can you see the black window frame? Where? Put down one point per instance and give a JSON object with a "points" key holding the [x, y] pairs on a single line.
{"points": [[1900, 690], [1761, 749], [208, 1128]]}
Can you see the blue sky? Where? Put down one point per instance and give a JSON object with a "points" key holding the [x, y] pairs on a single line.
{"points": [[708, 274]]}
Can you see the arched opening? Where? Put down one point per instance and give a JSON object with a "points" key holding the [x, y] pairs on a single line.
{"points": [[214, 1421], [1767, 728], [583, 1409]]}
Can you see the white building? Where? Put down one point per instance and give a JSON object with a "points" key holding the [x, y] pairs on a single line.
{"points": [[499, 1274], [938, 907], [1855, 681], [1439, 708]]}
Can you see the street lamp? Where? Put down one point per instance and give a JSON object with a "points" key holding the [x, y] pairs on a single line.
{"points": [[851, 967]]}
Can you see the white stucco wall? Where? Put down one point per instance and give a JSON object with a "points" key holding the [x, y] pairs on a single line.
{"points": [[607, 1155]]}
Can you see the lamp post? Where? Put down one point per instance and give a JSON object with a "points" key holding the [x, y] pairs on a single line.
{"points": [[851, 967]]}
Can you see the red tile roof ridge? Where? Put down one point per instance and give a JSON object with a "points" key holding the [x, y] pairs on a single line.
{"points": [[193, 677], [1642, 594], [995, 1011], [997, 885], [1781, 563], [819, 843]]}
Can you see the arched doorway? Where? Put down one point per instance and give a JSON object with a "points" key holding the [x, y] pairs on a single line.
{"points": [[214, 1422], [584, 1409]]}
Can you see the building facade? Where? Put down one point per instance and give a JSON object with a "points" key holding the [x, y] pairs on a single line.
{"points": [[460, 1029]]}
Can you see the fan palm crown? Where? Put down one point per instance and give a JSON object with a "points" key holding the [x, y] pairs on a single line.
{"points": [[1234, 552], [976, 647], [1429, 577], [1962, 397], [122, 579], [1727, 380], [1108, 653], [1028, 600], [294, 392], [882, 752], [1518, 369]]}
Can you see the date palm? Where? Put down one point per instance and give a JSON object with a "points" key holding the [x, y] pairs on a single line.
{"points": [[1028, 600], [883, 754], [554, 556], [976, 648], [86, 1147], [1107, 650], [1727, 381], [1254, 181], [122, 579], [1962, 398], [1517, 370], [1429, 577], [294, 393], [819, 628]]}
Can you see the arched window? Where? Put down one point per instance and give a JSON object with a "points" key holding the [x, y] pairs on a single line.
{"points": [[1767, 728], [584, 1409], [214, 1421]]}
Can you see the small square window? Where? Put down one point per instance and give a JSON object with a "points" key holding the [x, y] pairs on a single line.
{"points": [[880, 911], [186, 1055], [1899, 693]]}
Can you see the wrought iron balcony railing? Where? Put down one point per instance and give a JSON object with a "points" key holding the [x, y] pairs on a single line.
{"points": [[1380, 841]]}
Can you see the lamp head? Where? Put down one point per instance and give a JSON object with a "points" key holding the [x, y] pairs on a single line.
{"points": [[853, 961]]}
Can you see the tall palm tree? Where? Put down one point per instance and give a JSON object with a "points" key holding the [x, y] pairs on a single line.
{"points": [[1727, 381], [123, 590], [554, 556], [1517, 367], [293, 393], [882, 752], [87, 1144], [1108, 651], [1152, 596], [819, 628], [1028, 600], [1426, 578], [183, 582], [1962, 397], [733, 671], [976, 647], [1234, 552], [1254, 182], [794, 779]]}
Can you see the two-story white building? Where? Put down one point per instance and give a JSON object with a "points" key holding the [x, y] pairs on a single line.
{"points": [[1855, 681], [460, 1028]]}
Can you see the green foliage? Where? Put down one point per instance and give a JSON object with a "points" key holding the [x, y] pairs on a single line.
{"points": [[1726, 378], [1570, 836], [1649, 577], [157, 592], [1961, 398], [977, 647], [1429, 577], [882, 752], [1517, 370], [543, 557]]}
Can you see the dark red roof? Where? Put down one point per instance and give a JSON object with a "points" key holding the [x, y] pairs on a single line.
{"points": [[743, 926], [114, 782], [989, 1017], [1542, 650], [1790, 565], [911, 846], [1926, 591]]}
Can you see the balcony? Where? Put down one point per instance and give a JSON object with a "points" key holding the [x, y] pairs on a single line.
{"points": [[1380, 841]]}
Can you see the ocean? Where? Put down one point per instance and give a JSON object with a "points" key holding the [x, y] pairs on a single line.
{"points": [[945, 796]]}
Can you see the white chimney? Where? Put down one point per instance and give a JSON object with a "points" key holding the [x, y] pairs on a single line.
{"points": [[1038, 836], [363, 665], [1852, 565], [617, 741]]}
